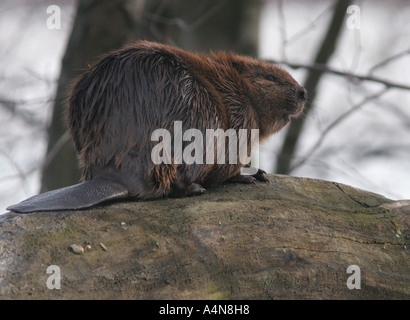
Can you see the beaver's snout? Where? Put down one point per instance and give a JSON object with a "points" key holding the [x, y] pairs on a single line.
{"points": [[302, 94], [298, 106]]}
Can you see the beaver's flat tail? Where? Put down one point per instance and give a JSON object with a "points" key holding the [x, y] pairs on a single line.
{"points": [[79, 196]]}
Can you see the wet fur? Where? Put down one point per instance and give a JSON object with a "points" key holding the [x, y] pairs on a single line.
{"points": [[114, 107]]}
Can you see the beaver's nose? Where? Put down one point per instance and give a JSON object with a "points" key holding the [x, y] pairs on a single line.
{"points": [[302, 93]]}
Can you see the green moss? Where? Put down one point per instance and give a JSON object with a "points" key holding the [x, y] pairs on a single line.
{"points": [[214, 292]]}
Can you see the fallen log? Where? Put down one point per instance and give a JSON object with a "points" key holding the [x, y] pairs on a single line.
{"points": [[295, 238]]}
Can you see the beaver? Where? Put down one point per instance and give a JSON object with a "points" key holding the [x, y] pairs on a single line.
{"points": [[115, 106]]}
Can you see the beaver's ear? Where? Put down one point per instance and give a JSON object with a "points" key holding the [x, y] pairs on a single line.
{"points": [[237, 65]]}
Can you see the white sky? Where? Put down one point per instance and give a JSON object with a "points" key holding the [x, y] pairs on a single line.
{"points": [[350, 154]]}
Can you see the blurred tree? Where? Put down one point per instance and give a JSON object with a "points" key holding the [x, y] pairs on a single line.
{"points": [[99, 26], [209, 24], [326, 49], [103, 25]]}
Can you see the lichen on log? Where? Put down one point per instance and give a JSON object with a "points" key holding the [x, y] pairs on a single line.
{"points": [[291, 239]]}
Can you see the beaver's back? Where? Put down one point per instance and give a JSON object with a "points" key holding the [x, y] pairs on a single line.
{"points": [[116, 105]]}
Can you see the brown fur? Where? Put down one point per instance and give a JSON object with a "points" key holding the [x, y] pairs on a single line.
{"points": [[115, 106]]}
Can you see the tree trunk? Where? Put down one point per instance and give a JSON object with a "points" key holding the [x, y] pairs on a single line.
{"points": [[328, 46], [228, 25], [292, 239], [95, 31]]}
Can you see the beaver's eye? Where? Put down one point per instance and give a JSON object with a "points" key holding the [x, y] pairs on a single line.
{"points": [[271, 78]]}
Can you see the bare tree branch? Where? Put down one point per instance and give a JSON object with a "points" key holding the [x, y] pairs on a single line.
{"points": [[183, 25], [309, 27], [55, 149], [388, 60], [282, 28], [49, 157], [351, 76], [336, 122], [12, 107]]}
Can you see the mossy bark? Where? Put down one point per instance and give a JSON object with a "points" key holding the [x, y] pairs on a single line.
{"points": [[291, 239]]}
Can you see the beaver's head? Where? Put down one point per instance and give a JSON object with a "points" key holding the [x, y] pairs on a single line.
{"points": [[274, 93]]}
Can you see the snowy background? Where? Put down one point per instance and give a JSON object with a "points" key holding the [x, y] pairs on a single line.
{"points": [[370, 149]]}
